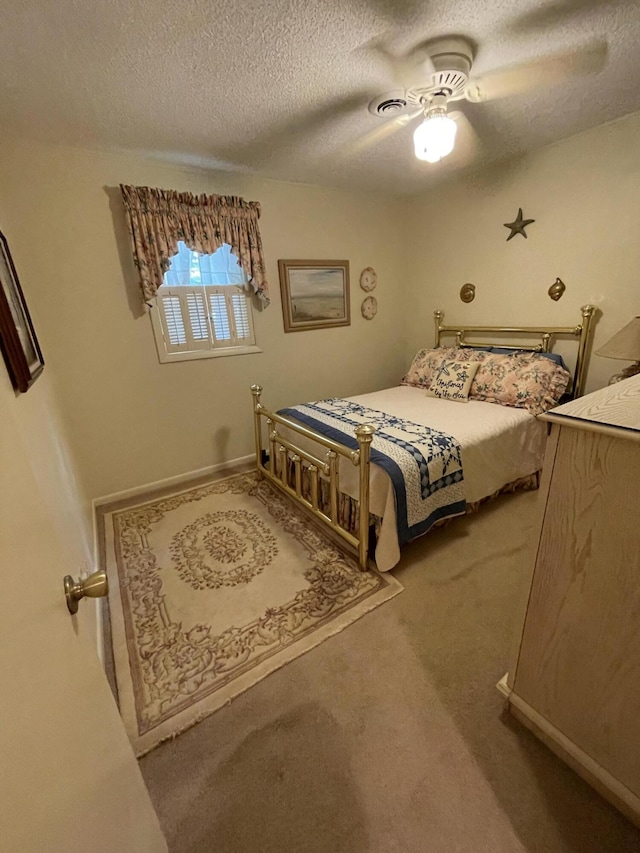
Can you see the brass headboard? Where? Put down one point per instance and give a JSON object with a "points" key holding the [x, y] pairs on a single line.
{"points": [[581, 331]]}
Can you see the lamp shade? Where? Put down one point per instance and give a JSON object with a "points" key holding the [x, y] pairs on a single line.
{"points": [[625, 344]]}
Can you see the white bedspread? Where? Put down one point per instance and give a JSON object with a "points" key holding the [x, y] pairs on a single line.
{"points": [[499, 445]]}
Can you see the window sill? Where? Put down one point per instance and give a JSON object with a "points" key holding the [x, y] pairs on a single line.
{"points": [[197, 354]]}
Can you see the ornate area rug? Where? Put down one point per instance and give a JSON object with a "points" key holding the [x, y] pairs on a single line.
{"points": [[213, 588]]}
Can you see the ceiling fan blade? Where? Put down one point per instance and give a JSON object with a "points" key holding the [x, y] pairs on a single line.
{"points": [[406, 70], [554, 14], [396, 12], [419, 64], [538, 73], [378, 134], [275, 145], [468, 147]]}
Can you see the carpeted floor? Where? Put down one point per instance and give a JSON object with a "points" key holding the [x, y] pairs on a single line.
{"points": [[390, 737]]}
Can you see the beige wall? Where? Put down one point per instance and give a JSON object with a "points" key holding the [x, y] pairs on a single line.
{"points": [[132, 420], [584, 195]]}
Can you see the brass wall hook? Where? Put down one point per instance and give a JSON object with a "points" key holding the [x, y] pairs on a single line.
{"points": [[95, 586]]}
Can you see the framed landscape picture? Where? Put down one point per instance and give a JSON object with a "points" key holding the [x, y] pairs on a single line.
{"points": [[18, 340], [315, 294]]}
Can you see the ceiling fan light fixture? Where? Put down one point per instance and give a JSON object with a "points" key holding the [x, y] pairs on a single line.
{"points": [[435, 137]]}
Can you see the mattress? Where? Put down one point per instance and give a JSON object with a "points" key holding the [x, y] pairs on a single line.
{"points": [[499, 444]]}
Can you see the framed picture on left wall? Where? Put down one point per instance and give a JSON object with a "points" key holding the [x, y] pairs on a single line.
{"points": [[18, 341]]}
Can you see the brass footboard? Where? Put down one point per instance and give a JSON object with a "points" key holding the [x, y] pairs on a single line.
{"points": [[281, 451]]}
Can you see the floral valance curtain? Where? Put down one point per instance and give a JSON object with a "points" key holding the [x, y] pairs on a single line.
{"points": [[158, 219]]}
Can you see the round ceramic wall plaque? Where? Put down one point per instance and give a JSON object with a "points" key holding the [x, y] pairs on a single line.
{"points": [[369, 308], [368, 279]]}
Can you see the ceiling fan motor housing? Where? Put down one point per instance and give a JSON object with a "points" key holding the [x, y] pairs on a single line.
{"points": [[451, 59], [448, 64]]}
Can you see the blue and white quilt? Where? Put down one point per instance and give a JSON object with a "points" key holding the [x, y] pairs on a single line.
{"points": [[424, 465]]}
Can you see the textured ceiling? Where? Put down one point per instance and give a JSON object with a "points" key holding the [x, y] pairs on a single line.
{"points": [[281, 87]]}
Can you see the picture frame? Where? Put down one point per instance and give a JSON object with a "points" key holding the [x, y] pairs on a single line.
{"points": [[315, 294], [18, 341]]}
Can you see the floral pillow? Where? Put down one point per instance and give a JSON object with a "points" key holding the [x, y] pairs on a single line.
{"points": [[524, 380], [427, 362], [453, 380]]}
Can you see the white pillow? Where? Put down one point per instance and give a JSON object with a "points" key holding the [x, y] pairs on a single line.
{"points": [[452, 380]]}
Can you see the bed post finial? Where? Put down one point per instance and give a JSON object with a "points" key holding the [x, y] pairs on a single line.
{"points": [[437, 317], [588, 311]]}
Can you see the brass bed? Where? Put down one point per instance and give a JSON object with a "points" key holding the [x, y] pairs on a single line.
{"points": [[307, 472]]}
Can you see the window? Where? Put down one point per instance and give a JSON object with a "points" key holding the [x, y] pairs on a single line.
{"points": [[203, 308]]}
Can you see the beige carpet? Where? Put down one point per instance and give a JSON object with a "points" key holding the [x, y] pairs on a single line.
{"points": [[212, 589], [390, 737]]}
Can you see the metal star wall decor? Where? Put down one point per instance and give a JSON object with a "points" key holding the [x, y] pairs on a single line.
{"points": [[518, 225]]}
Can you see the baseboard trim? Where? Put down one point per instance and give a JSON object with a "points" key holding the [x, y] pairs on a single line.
{"points": [[503, 686], [604, 783], [172, 481]]}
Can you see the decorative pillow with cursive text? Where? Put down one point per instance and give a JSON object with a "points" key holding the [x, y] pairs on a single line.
{"points": [[452, 380]]}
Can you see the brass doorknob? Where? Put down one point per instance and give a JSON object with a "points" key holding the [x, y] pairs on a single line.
{"points": [[95, 586]]}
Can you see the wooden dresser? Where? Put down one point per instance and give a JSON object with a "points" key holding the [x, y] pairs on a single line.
{"points": [[576, 682]]}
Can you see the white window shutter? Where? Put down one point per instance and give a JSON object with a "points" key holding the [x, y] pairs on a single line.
{"points": [[220, 318], [183, 315], [175, 337], [230, 316], [242, 318], [198, 322]]}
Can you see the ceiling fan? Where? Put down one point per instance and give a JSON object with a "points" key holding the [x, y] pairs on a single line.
{"points": [[438, 72]]}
